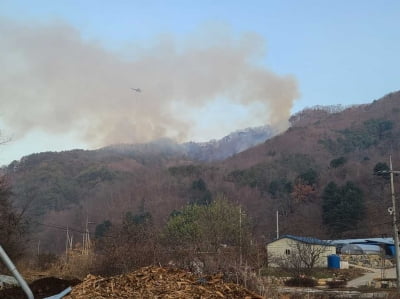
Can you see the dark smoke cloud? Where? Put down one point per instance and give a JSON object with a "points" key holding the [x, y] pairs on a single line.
{"points": [[53, 80]]}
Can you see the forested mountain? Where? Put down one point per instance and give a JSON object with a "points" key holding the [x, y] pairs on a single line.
{"points": [[319, 175], [294, 170]]}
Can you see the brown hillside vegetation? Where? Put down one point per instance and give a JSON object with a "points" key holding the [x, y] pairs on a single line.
{"points": [[317, 138], [312, 125], [289, 174]]}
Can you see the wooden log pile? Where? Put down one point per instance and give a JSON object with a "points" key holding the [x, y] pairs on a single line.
{"points": [[156, 282]]}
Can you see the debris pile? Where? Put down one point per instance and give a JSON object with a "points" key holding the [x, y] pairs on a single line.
{"points": [[155, 282]]}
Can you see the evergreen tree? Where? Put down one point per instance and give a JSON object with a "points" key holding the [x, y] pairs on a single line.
{"points": [[342, 207], [335, 163], [102, 229], [308, 177], [380, 169], [200, 195]]}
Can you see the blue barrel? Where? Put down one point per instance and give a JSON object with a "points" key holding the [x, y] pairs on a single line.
{"points": [[333, 261], [391, 250]]}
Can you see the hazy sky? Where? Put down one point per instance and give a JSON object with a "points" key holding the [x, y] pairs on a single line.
{"points": [[205, 68]]}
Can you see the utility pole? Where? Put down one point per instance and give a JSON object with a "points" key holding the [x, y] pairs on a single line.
{"points": [[86, 237], [277, 224], [395, 228], [68, 245], [392, 211], [240, 236], [38, 248]]}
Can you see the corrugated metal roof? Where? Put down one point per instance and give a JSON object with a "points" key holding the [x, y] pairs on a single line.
{"points": [[307, 240]]}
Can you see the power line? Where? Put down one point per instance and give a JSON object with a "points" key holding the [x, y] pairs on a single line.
{"points": [[65, 228], [68, 228]]}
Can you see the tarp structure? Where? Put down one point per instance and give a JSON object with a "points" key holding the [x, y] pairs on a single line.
{"points": [[361, 249], [363, 241]]}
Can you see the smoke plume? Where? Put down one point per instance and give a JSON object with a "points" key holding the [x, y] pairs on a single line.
{"points": [[53, 80]]}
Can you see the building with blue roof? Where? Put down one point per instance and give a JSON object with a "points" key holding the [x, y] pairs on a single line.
{"points": [[287, 246]]}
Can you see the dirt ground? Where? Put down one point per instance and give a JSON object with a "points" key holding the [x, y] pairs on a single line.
{"points": [[41, 288]]}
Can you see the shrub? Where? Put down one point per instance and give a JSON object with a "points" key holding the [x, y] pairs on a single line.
{"points": [[334, 284], [301, 282], [46, 260]]}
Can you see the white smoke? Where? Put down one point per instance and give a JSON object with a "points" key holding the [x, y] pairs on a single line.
{"points": [[54, 81]]}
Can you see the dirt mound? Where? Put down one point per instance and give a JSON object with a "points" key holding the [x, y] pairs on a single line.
{"points": [[43, 287], [154, 282]]}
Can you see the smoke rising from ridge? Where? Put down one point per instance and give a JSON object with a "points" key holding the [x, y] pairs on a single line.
{"points": [[53, 80]]}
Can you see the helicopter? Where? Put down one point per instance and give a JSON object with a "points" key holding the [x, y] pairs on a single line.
{"points": [[136, 89]]}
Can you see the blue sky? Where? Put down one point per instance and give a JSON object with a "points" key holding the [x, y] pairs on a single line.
{"points": [[339, 52]]}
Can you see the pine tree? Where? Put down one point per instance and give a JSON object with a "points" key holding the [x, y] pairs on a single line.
{"points": [[342, 207]]}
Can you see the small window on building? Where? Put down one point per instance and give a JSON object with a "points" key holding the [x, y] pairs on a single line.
{"points": [[287, 251]]}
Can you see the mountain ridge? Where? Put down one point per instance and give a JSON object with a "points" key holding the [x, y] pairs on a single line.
{"points": [[213, 150]]}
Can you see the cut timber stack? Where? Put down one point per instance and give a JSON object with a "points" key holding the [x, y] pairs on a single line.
{"points": [[154, 282]]}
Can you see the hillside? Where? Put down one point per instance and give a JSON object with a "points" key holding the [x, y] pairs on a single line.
{"points": [[340, 147], [288, 173]]}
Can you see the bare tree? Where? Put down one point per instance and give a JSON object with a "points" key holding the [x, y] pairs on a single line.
{"points": [[12, 226], [310, 254], [302, 257], [12, 223]]}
